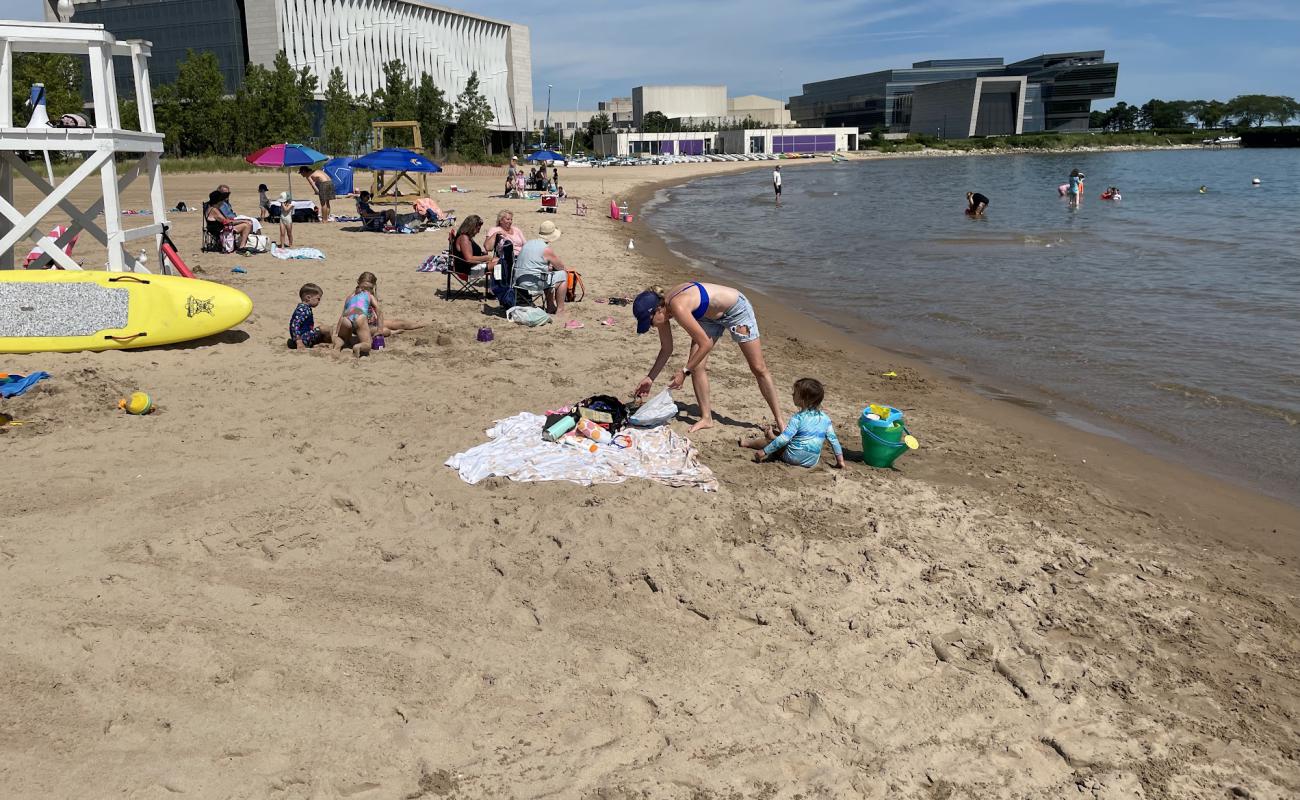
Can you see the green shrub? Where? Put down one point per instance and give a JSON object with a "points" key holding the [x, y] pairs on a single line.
{"points": [[1271, 137]]}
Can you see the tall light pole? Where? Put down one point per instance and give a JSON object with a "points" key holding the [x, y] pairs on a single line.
{"points": [[574, 139], [546, 129]]}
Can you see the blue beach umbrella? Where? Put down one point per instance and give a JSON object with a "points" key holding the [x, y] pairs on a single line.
{"points": [[395, 159], [545, 155]]}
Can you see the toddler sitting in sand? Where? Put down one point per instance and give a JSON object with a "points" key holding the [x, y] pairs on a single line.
{"points": [[363, 319], [303, 332], [801, 441]]}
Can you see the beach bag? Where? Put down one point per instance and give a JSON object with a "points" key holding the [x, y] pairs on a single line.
{"points": [[227, 240], [257, 243], [574, 291], [658, 410], [71, 121], [528, 315], [605, 410]]}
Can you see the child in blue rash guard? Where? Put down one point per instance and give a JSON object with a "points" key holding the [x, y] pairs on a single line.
{"points": [[801, 442], [302, 325]]}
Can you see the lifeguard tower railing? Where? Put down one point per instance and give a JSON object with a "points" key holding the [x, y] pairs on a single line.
{"points": [[98, 145]]}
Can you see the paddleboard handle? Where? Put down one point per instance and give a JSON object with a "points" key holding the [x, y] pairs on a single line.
{"points": [[130, 338], [128, 278]]}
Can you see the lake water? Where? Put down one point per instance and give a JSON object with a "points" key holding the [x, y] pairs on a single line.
{"points": [[1170, 318]]}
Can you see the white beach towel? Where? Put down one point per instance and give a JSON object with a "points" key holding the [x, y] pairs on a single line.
{"points": [[298, 253], [517, 451]]}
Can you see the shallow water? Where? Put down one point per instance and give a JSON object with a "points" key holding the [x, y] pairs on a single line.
{"points": [[1170, 318]]}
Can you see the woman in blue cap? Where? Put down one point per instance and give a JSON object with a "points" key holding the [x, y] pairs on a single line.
{"points": [[704, 310]]}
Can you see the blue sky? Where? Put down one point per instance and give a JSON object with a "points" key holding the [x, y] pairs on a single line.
{"points": [[1170, 49]]}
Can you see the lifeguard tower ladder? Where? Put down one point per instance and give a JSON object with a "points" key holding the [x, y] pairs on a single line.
{"points": [[100, 145], [388, 190]]}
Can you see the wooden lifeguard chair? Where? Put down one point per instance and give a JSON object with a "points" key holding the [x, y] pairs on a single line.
{"points": [[386, 189], [101, 144]]}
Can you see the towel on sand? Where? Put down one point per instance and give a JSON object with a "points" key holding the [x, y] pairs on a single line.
{"points": [[14, 385], [297, 253], [517, 451]]}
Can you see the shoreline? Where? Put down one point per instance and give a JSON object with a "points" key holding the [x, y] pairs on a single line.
{"points": [[273, 585], [1200, 493], [1062, 409]]}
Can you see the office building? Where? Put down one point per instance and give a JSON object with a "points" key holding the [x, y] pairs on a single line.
{"points": [[763, 110], [358, 36], [985, 97], [679, 102], [696, 143], [565, 122], [619, 111]]}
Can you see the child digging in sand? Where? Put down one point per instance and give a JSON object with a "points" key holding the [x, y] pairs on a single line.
{"points": [[303, 332], [801, 442], [363, 319]]}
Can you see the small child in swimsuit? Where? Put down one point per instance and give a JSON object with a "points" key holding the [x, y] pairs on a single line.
{"points": [[363, 319], [303, 332], [801, 442]]}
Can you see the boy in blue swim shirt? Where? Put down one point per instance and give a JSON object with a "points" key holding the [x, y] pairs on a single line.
{"points": [[303, 332], [801, 442]]}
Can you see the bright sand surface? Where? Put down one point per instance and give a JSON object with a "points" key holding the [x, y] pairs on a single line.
{"points": [[272, 587]]}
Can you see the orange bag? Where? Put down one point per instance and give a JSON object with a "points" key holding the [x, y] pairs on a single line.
{"points": [[574, 291]]}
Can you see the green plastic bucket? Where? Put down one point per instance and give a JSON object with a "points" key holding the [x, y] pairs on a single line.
{"points": [[882, 439]]}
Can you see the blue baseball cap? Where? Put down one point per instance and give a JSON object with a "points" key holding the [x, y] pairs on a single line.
{"points": [[643, 308]]}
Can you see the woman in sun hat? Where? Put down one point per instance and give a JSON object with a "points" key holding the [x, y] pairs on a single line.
{"points": [[538, 268], [704, 311]]}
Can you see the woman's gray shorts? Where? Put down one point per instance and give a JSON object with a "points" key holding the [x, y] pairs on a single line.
{"points": [[740, 321]]}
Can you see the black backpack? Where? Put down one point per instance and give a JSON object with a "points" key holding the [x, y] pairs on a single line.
{"points": [[604, 410]]}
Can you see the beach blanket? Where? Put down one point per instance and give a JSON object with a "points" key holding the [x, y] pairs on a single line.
{"points": [[344, 218], [297, 253], [14, 385], [517, 451]]}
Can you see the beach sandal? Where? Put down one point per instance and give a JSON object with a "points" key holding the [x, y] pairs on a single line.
{"points": [[608, 321], [574, 324]]}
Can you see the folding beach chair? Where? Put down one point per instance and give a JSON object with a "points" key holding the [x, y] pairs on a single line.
{"points": [[579, 208], [473, 283], [211, 242], [469, 279], [529, 290], [38, 253]]}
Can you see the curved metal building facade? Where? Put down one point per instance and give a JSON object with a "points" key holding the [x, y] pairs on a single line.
{"points": [[357, 36]]}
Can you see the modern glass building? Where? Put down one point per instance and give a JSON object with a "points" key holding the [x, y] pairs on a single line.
{"points": [[1058, 92], [174, 28], [357, 36]]}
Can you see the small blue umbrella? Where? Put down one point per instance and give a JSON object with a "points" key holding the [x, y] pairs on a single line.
{"points": [[395, 159], [545, 155]]}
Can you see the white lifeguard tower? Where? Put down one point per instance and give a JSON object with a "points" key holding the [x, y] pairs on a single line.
{"points": [[101, 143]]}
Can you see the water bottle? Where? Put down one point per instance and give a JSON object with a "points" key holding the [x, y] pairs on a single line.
{"points": [[561, 427]]}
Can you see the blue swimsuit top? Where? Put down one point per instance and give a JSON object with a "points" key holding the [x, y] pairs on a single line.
{"points": [[703, 307]]}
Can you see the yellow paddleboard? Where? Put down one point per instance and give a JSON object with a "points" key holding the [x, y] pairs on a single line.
{"points": [[53, 311]]}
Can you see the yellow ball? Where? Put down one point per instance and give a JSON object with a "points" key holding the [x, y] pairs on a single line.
{"points": [[139, 403]]}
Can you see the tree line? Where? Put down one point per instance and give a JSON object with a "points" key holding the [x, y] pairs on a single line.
{"points": [[1242, 111], [276, 104]]}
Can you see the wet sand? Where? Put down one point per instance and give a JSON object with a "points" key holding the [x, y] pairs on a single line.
{"points": [[272, 587]]}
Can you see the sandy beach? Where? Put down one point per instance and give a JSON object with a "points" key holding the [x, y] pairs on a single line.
{"points": [[273, 587]]}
